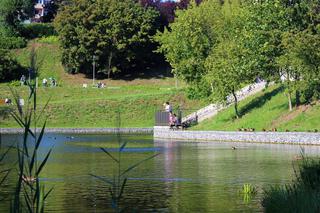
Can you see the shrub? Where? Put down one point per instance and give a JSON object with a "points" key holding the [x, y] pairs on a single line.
{"points": [[9, 68], [301, 196], [48, 40], [198, 91], [37, 30], [12, 42]]}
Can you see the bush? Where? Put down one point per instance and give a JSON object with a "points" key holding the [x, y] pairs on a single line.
{"points": [[12, 42], [301, 196], [48, 40], [9, 68], [199, 91], [37, 30]]}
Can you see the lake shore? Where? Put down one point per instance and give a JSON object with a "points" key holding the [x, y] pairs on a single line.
{"points": [[164, 133], [83, 130], [295, 138]]}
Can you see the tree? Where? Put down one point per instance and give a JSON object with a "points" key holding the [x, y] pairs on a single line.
{"points": [[300, 65], [273, 34], [9, 68], [12, 13], [112, 30], [190, 39], [229, 65], [264, 24]]}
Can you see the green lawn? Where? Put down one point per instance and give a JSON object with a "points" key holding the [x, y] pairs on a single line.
{"points": [[137, 100], [73, 106], [91, 107], [266, 110]]}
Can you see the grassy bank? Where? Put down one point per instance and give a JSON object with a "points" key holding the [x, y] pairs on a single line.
{"points": [[70, 105], [266, 111], [138, 97]]}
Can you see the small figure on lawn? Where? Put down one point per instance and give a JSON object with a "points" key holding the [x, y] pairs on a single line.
{"points": [[22, 80], [53, 82], [44, 82]]}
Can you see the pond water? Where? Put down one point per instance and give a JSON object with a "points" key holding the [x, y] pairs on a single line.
{"points": [[184, 177]]}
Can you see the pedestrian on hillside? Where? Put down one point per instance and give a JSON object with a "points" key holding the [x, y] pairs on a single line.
{"points": [[53, 82], [22, 80], [44, 82], [8, 101], [167, 107]]}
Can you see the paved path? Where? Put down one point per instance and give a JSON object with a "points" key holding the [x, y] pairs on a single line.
{"points": [[213, 109]]}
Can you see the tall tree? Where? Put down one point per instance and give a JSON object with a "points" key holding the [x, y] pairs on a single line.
{"points": [[112, 30], [229, 66], [12, 13], [190, 39], [300, 66]]}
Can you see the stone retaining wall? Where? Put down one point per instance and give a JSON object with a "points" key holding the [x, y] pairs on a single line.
{"points": [[258, 137], [84, 130]]}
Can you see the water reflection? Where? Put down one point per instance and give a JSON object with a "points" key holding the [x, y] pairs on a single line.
{"points": [[186, 177]]}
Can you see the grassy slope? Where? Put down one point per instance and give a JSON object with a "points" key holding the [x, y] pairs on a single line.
{"points": [[266, 110], [73, 106], [138, 99]]}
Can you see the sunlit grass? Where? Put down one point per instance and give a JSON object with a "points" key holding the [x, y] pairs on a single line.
{"points": [[265, 111]]}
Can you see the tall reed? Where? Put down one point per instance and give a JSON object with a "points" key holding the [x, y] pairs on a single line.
{"points": [[4, 172], [118, 181], [30, 195], [303, 195]]}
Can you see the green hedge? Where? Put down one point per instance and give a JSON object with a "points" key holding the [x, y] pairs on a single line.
{"points": [[37, 30], [12, 42]]}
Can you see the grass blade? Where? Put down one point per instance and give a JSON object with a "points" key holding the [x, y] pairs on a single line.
{"points": [[137, 164], [47, 194], [123, 146], [113, 158], [104, 179], [122, 187], [7, 171], [43, 163]]}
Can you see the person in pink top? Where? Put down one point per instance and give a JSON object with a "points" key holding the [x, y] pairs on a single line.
{"points": [[172, 119]]}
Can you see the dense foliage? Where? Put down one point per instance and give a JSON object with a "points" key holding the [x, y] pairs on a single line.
{"points": [[301, 196], [11, 42], [37, 30], [9, 68], [224, 46], [12, 13], [166, 9], [113, 31]]}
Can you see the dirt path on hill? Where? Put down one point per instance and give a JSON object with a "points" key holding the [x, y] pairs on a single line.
{"points": [[290, 115]]}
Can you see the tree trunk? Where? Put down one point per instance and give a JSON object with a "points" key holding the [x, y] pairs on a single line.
{"points": [[297, 98], [235, 104], [109, 64], [290, 101]]}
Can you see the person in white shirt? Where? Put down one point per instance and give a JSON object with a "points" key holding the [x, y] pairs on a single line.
{"points": [[168, 107]]}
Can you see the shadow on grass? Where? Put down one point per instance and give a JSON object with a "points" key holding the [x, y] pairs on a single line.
{"points": [[260, 101]]}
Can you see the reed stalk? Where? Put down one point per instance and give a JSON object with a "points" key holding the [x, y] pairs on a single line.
{"points": [[117, 183]]}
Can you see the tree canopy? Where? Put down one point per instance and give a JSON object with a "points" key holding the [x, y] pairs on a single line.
{"points": [[227, 46], [112, 30], [12, 13]]}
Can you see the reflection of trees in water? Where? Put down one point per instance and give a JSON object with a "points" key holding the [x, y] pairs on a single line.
{"points": [[185, 177]]}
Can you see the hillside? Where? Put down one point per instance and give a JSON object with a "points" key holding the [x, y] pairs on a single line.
{"points": [[70, 105], [266, 111], [138, 98]]}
